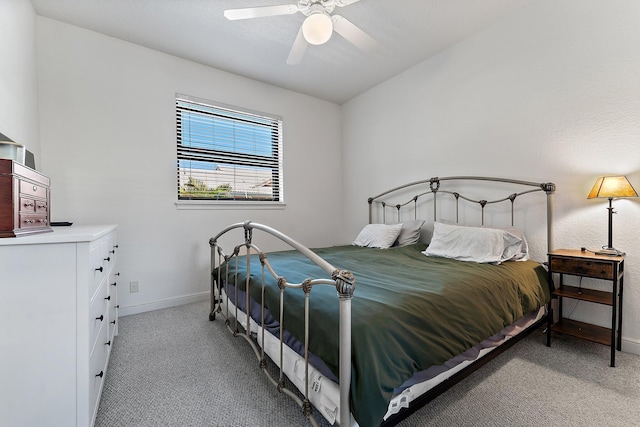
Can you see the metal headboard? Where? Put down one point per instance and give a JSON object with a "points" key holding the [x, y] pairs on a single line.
{"points": [[436, 189]]}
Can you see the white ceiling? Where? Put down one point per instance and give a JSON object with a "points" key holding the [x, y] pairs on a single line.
{"points": [[408, 32]]}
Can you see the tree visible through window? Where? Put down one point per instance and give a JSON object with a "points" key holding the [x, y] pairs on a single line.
{"points": [[227, 154]]}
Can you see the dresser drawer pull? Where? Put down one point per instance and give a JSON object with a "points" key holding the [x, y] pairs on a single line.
{"points": [[108, 298], [107, 259], [113, 321], [99, 269], [43, 220], [114, 284], [101, 374], [117, 274], [113, 251], [107, 343], [35, 188], [29, 205], [101, 318]]}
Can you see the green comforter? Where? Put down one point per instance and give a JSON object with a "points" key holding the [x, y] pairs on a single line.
{"points": [[409, 311]]}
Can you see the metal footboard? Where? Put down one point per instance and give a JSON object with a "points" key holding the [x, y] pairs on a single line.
{"points": [[342, 280]]}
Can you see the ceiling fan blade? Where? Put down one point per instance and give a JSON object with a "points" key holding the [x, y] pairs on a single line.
{"points": [[352, 33], [343, 3], [259, 12], [298, 49]]}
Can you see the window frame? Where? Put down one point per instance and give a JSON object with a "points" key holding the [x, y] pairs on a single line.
{"points": [[231, 159]]}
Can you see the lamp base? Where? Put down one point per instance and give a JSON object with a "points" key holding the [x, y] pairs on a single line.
{"points": [[609, 252]]}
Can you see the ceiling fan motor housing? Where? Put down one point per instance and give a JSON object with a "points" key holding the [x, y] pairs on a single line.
{"points": [[310, 7]]}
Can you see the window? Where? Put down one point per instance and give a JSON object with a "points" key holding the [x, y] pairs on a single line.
{"points": [[227, 154]]}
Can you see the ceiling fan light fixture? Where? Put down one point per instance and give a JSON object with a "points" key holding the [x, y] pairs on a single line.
{"points": [[317, 28]]}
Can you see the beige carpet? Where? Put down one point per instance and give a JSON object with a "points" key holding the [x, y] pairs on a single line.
{"points": [[174, 367]]}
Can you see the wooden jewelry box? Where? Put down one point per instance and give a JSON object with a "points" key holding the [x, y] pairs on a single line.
{"points": [[24, 200]]}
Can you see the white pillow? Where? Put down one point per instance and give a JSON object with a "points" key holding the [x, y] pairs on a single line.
{"points": [[410, 233], [378, 235], [477, 244], [523, 252]]}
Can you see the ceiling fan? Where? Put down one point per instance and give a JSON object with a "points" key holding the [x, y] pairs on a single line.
{"points": [[317, 27]]}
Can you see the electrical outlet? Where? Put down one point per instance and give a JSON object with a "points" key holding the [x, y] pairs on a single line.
{"points": [[133, 287]]}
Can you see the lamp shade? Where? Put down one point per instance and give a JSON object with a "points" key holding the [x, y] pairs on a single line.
{"points": [[612, 187], [11, 150], [317, 28], [5, 138]]}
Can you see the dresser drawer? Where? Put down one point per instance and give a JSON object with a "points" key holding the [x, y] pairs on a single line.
{"points": [[98, 267], [112, 309], [32, 189], [580, 267], [112, 247], [113, 321], [97, 370], [98, 314], [109, 259]]}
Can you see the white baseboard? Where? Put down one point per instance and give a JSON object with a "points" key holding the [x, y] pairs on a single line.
{"points": [[628, 345], [165, 303], [631, 346]]}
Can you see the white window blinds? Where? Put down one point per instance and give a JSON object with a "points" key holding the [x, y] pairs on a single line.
{"points": [[227, 154]]}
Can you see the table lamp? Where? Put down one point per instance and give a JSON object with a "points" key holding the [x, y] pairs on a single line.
{"points": [[611, 187]]}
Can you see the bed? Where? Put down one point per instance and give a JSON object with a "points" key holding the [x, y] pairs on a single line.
{"points": [[398, 321]]}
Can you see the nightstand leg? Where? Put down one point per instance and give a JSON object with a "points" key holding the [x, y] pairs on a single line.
{"points": [[614, 321], [619, 343], [549, 323], [552, 287]]}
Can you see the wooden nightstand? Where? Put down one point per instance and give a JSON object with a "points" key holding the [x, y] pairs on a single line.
{"points": [[587, 264]]}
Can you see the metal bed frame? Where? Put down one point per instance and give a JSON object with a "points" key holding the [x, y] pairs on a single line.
{"points": [[345, 285]]}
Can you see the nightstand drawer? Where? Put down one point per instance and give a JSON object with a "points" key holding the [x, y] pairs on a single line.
{"points": [[582, 267]]}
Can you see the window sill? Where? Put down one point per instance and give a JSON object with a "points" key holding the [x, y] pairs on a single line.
{"points": [[226, 205]]}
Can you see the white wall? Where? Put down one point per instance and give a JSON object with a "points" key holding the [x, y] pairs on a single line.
{"points": [[18, 82], [549, 93], [108, 133]]}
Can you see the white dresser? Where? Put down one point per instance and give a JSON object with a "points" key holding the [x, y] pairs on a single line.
{"points": [[58, 318]]}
